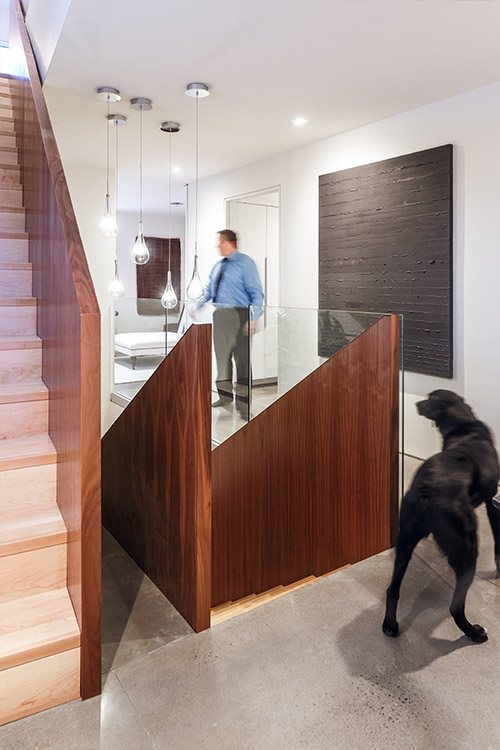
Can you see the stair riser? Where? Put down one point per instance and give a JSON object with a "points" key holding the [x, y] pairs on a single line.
{"points": [[9, 177], [6, 125], [20, 365], [8, 140], [23, 419], [16, 486], [32, 572], [15, 283], [10, 198], [18, 321], [13, 249], [12, 222], [9, 157], [13, 254], [42, 684]]}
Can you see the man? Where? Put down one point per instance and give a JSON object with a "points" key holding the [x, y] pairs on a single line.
{"points": [[234, 285]]}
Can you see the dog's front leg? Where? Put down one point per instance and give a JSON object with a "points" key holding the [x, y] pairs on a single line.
{"points": [[494, 519]]}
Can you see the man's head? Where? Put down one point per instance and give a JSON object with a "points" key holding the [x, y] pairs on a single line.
{"points": [[228, 242]]}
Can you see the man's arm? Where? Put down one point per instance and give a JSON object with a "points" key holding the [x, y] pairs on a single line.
{"points": [[254, 290]]}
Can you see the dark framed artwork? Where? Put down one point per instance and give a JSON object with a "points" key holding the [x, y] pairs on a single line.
{"points": [[386, 245], [152, 276]]}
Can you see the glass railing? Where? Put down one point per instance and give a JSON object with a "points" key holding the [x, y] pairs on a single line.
{"points": [[258, 354], [144, 334]]}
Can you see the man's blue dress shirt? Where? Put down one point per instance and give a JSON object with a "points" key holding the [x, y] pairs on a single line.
{"points": [[240, 284]]}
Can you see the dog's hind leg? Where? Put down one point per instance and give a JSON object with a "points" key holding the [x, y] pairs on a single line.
{"points": [[404, 550], [494, 519], [464, 579], [458, 539]]}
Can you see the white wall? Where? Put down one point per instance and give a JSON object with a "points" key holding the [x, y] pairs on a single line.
{"points": [[87, 186], [471, 122], [45, 21]]}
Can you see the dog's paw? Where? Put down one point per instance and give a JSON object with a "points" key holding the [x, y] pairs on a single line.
{"points": [[479, 634], [391, 629]]}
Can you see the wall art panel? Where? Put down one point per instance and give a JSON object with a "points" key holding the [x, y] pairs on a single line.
{"points": [[385, 245]]}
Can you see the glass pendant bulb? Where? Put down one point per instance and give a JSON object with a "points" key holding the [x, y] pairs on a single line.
{"points": [[169, 298], [140, 252], [107, 225], [195, 290], [116, 288]]}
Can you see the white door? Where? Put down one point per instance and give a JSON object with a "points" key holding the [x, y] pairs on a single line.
{"points": [[255, 219]]}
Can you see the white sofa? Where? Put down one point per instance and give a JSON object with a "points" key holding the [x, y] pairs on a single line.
{"points": [[147, 343]]}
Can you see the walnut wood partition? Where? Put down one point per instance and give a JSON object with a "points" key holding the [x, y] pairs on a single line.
{"points": [[156, 477], [311, 484], [68, 321]]}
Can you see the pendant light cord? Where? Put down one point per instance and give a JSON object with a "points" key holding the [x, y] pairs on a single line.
{"points": [[117, 127], [107, 150], [196, 183], [169, 199], [140, 169]]}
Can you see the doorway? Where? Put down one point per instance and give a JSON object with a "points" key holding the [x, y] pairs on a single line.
{"points": [[255, 217]]}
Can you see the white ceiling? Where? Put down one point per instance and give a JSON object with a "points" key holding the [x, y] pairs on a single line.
{"points": [[340, 63]]}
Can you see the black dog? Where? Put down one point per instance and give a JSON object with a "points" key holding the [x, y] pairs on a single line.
{"points": [[441, 501]]}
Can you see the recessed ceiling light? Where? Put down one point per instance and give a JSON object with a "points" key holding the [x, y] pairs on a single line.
{"points": [[299, 121], [176, 170]]}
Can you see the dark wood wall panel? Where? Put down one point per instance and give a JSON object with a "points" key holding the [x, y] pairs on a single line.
{"points": [[69, 325], [152, 276], [385, 245], [310, 484], [156, 477]]}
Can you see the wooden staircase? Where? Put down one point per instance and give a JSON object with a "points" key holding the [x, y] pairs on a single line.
{"points": [[39, 633]]}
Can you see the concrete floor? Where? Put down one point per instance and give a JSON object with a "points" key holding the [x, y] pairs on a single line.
{"points": [[311, 670]]}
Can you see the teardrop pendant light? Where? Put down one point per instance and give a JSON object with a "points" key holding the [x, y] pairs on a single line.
{"points": [[196, 290], [116, 288], [140, 252], [169, 297], [107, 226]]}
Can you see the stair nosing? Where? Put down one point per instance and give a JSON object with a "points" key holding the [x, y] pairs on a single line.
{"points": [[12, 209], [18, 301], [15, 265], [23, 392], [28, 342], [21, 459]]}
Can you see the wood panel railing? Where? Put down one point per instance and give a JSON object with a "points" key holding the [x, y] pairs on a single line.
{"points": [[310, 484], [68, 321], [156, 477]]}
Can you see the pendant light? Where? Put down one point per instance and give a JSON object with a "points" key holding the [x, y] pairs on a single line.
{"points": [[169, 297], [116, 288], [195, 290], [107, 225], [140, 252]]}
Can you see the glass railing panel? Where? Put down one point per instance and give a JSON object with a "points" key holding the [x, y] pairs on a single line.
{"points": [[231, 384], [287, 344], [144, 333]]}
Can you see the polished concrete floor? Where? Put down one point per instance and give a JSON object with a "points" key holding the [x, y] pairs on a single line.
{"points": [[311, 670]]}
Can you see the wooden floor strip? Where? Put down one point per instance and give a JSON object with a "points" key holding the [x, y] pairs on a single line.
{"points": [[228, 610]]}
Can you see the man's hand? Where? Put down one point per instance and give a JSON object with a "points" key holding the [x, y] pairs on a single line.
{"points": [[253, 327]]}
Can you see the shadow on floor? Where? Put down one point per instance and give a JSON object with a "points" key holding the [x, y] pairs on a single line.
{"points": [[136, 617]]}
